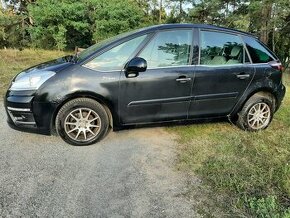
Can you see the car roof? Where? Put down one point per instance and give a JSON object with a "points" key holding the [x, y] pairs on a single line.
{"points": [[189, 25]]}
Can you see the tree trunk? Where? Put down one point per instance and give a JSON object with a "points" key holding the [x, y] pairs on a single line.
{"points": [[265, 20], [160, 12]]}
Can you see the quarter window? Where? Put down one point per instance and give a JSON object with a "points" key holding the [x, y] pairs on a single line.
{"points": [[115, 58], [258, 52], [221, 49], [168, 48]]}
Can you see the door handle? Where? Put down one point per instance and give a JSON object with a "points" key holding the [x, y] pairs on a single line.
{"points": [[243, 76], [131, 74], [183, 79]]}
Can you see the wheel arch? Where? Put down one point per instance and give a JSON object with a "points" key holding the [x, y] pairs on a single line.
{"points": [[108, 106], [263, 91]]}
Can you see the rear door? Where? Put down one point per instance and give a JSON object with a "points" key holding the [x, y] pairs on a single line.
{"points": [[162, 92], [222, 75]]}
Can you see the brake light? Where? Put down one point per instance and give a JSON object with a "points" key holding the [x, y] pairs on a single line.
{"points": [[276, 65]]}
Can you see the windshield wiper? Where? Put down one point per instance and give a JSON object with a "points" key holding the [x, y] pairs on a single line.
{"points": [[70, 58]]}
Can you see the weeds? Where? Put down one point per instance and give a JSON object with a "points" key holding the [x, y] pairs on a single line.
{"points": [[251, 169]]}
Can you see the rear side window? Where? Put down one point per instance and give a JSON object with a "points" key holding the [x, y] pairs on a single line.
{"points": [[258, 52], [219, 48], [168, 48]]}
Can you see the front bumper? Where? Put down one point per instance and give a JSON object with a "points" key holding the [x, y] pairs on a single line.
{"points": [[24, 114]]}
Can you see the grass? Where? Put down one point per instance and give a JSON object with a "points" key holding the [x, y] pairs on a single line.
{"points": [[248, 174], [13, 61], [251, 171]]}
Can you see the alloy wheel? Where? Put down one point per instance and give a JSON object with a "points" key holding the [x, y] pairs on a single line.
{"points": [[259, 116], [82, 124]]}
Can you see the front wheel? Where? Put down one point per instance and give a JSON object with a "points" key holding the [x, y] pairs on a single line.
{"points": [[82, 121], [257, 113]]}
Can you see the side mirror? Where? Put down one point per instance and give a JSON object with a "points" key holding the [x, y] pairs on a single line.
{"points": [[135, 66]]}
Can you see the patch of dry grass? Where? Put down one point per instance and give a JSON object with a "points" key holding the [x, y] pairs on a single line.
{"points": [[13, 61]]}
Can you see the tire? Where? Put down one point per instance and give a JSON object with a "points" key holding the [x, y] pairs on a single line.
{"points": [[257, 113], [82, 121]]}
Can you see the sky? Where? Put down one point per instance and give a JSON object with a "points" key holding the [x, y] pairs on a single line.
{"points": [[3, 4]]}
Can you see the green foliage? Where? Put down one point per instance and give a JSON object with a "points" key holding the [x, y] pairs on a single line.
{"points": [[267, 207], [11, 30], [69, 23], [114, 17], [59, 37], [59, 24]]}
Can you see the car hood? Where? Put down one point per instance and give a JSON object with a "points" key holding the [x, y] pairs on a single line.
{"points": [[53, 65]]}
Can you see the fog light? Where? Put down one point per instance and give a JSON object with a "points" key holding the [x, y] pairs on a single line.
{"points": [[21, 117]]}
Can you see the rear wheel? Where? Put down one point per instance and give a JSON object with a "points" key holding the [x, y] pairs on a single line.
{"points": [[257, 113], [82, 121]]}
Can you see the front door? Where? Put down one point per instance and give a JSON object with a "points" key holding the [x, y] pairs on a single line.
{"points": [[162, 92], [222, 76]]}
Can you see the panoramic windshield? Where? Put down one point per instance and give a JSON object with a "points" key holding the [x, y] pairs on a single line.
{"points": [[89, 51]]}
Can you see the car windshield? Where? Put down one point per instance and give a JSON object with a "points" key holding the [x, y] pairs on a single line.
{"points": [[89, 51]]}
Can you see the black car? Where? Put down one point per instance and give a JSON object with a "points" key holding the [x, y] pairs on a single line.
{"points": [[173, 72]]}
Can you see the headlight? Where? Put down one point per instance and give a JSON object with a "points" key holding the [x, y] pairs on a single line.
{"points": [[30, 80]]}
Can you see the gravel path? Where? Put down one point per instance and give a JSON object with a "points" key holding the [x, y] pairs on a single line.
{"points": [[128, 174]]}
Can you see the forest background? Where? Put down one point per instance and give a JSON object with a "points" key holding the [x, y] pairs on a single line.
{"points": [[65, 24]]}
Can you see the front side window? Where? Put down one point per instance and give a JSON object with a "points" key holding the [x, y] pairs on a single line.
{"points": [[115, 58], [168, 48], [258, 52], [218, 48]]}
